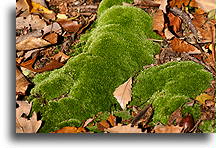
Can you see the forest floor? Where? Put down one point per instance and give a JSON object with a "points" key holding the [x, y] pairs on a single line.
{"points": [[48, 31]]}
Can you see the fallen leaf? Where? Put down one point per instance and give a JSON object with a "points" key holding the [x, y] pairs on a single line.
{"points": [[123, 129], [21, 83], [69, 129], [203, 98], [88, 121], [174, 22], [187, 123], [51, 38], [60, 56], [163, 5], [123, 93], [53, 64], [175, 116], [70, 26], [207, 5], [31, 21], [112, 120], [103, 125], [54, 27], [62, 16], [167, 129], [158, 22], [168, 34], [24, 125], [182, 46], [32, 43]]}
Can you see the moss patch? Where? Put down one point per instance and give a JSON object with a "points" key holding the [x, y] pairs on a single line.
{"points": [[115, 50], [169, 86]]}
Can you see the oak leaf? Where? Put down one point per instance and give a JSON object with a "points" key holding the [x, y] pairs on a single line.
{"points": [[123, 93], [24, 125]]}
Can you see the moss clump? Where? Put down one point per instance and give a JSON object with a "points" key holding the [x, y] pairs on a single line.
{"points": [[105, 4], [83, 87], [207, 126], [169, 86]]}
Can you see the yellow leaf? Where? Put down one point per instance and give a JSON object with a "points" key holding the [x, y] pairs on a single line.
{"points": [[37, 8], [203, 97]]}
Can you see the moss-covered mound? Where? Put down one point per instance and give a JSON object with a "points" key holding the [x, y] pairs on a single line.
{"points": [[115, 50], [169, 87]]}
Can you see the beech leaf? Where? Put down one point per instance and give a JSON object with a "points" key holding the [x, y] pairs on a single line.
{"points": [[123, 93]]}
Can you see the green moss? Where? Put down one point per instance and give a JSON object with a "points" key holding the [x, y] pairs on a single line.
{"points": [[169, 86], [125, 115], [207, 126], [105, 4], [194, 110], [84, 86]]}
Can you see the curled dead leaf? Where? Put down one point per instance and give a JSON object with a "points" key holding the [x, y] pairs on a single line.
{"points": [[158, 22], [70, 26]]}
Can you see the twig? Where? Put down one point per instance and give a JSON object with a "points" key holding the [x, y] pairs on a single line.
{"points": [[195, 126], [186, 19], [200, 62], [140, 114]]}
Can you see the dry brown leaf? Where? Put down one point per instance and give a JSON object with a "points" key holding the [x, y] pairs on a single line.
{"points": [[175, 22], [70, 26], [163, 5], [123, 129], [175, 116], [112, 120], [103, 125], [158, 22], [88, 121], [54, 27], [51, 38], [53, 64], [167, 129], [31, 43], [123, 93], [182, 46], [33, 21], [24, 125], [21, 83], [179, 3], [69, 129], [207, 5], [60, 56]]}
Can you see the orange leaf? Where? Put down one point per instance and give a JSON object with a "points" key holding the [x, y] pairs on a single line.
{"points": [[182, 46], [175, 22], [158, 22], [69, 129]]}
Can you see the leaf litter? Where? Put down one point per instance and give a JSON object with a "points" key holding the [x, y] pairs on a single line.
{"points": [[36, 33]]}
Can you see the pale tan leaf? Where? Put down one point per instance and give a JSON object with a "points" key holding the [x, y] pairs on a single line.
{"points": [[167, 129], [163, 5], [207, 5], [168, 34], [24, 107], [123, 129], [33, 21], [21, 82], [123, 93], [31, 43], [24, 125]]}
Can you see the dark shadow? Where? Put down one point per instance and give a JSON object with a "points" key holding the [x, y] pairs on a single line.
{"points": [[29, 138]]}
